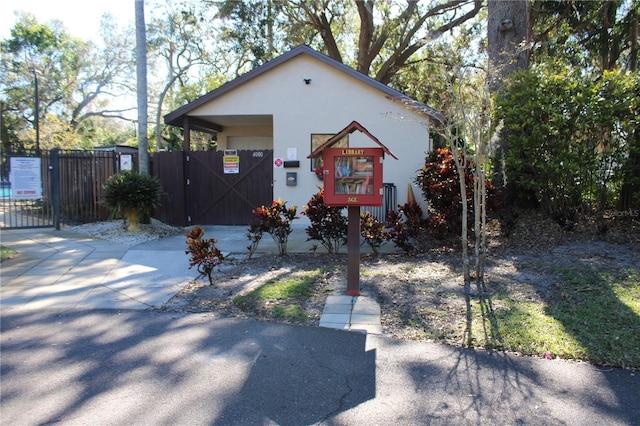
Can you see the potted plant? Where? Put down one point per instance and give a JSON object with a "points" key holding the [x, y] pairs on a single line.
{"points": [[132, 196]]}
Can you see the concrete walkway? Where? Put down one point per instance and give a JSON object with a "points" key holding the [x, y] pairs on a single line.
{"points": [[63, 269], [67, 270], [357, 313]]}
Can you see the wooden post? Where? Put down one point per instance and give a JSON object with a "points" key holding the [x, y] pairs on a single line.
{"points": [[353, 251], [186, 170]]}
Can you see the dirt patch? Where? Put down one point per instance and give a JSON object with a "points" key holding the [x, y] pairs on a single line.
{"points": [[421, 295], [239, 275]]}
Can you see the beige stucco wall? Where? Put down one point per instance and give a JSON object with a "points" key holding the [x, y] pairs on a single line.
{"points": [[327, 105], [235, 131]]}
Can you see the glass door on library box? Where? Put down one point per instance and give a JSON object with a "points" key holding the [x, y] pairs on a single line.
{"points": [[352, 176]]}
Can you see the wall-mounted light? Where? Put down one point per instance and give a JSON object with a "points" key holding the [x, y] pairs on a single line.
{"points": [[307, 81]]}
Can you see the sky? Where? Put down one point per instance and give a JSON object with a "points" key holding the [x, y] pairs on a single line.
{"points": [[80, 17]]}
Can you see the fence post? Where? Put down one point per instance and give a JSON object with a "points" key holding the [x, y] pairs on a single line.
{"points": [[54, 168]]}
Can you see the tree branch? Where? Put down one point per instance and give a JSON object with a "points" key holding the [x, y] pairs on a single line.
{"points": [[322, 25], [398, 59], [365, 10]]}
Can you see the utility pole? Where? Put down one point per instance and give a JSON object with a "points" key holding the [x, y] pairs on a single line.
{"points": [[36, 120], [141, 79]]}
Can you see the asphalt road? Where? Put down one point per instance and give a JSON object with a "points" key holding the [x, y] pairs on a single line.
{"points": [[110, 367]]}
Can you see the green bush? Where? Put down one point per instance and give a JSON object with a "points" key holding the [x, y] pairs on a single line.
{"points": [[132, 196], [572, 138]]}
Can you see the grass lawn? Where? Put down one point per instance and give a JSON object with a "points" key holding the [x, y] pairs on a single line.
{"points": [[282, 298], [593, 316], [6, 253]]}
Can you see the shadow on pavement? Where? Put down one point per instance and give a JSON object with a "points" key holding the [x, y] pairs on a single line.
{"points": [[552, 393], [142, 367], [145, 367]]}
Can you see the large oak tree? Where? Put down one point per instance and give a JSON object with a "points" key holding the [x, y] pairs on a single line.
{"points": [[378, 38]]}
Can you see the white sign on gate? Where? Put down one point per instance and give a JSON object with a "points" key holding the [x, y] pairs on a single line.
{"points": [[26, 178], [231, 161], [126, 162]]}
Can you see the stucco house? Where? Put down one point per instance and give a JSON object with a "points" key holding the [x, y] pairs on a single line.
{"points": [[297, 101]]}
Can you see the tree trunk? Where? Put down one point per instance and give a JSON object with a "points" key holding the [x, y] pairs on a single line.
{"points": [[507, 38], [141, 79], [480, 210], [633, 36], [508, 30], [163, 95], [464, 239], [365, 11]]}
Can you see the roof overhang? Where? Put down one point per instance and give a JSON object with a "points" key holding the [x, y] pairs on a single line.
{"points": [[177, 117], [217, 123], [200, 124], [342, 133]]}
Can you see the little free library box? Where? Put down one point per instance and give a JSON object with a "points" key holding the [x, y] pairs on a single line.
{"points": [[352, 176]]}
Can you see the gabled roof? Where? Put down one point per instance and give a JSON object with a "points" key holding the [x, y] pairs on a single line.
{"points": [[176, 118], [342, 133]]}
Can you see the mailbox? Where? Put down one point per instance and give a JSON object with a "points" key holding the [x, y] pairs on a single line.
{"points": [[352, 176]]}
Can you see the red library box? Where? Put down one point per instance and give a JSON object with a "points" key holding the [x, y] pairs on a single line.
{"points": [[352, 176]]}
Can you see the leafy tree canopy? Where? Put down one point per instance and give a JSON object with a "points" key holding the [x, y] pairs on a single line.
{"points": [[75, 79], [387, 34], [594, 33]]}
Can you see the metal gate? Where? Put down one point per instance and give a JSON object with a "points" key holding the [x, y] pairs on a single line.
{"points": [[69, 188], [23, 198], [197, 188]]}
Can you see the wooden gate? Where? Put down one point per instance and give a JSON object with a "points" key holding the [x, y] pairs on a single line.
{"points": [[209, 196]]}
